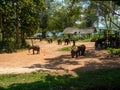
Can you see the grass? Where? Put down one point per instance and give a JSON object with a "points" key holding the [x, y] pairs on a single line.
{"points": [[114, 51], [85, 40], [68, 48], [93, 80]]}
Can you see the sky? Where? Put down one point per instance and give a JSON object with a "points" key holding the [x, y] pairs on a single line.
{"points": [[100, 24], [59, 0]]}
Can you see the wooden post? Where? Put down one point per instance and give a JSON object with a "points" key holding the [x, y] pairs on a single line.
{"points": [[32, 41]]}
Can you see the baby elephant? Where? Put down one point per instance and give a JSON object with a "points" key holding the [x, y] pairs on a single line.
{"points": [[34, 48], [81, 49], [59, 42], [50, 40], [67, 41], [74, 52]]}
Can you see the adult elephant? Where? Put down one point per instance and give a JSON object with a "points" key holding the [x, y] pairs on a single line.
{"points": [[67, 41], [34, 48], [81, 50], [74, 52], [100, 43]]}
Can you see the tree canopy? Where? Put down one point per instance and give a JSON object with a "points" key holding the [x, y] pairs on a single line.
{"points": [[22, 18]]}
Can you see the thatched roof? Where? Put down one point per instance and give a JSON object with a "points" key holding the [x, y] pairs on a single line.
{"points": [[70, 30], [87, 30], [73, 30]]}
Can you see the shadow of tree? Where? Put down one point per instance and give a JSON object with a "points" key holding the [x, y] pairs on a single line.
{"points": [[84, 81], [62, 59], [91, 66], [91, 53], [50, 83], [53, 63], [57, 62], [34, 66], [101, 55], [1, 88]]}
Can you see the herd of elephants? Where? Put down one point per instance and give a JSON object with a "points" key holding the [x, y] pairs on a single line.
{"points": [[100, 43]]}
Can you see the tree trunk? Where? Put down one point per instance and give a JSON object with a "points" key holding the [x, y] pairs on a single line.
{"points": [[23, 42], [43, 33], [17, 33], [17, 29], [2, 28], [106, 22]]}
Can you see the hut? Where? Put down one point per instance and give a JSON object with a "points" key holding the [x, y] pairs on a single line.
{"points": [[71, 30], [87, 31], [74, 30], [79, 31]]}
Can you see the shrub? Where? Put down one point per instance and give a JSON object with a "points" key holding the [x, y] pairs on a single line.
{"points": [[93, 39], [67, 48], [114, 51]]}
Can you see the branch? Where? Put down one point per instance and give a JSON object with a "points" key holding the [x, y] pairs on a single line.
{"points": [[116, 13], [114, 23], [110, 9]]}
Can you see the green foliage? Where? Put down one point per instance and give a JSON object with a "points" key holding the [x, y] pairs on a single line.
{"points": [[68, 48], [19, 19], [7, 46], [116, 2], [10, 46], [114, 51], [22, 18], [94, 80]]}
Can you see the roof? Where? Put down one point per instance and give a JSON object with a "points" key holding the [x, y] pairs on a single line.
{"points": [[87, 30], [73, 30], [114, 30], [70, 30]]}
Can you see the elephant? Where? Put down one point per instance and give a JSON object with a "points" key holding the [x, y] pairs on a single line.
{"points": [[34, 48], [81, 50], [74, 41], [67, 41], [59, 42], [74, 52], [100, 43], [50, 40]]}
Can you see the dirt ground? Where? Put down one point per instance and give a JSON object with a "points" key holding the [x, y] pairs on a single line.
{"points": [[50, 58]]}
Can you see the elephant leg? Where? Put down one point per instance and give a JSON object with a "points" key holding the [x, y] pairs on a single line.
{"points": [[76, 54], [83, 52], [67, 42], [38, 51], [29, 51], [79, 53], [72, 54], [33, 51]]}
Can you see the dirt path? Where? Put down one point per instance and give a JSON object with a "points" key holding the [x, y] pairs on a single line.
{"points": [[52, 59]]}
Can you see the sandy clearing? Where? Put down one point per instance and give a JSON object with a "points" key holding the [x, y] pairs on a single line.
{"points": [[52, 59]]}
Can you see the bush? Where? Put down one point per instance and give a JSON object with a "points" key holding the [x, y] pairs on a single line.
{"points": [[10, 46], [93, 39], [114, 51], [67, 48], [7, 46]]}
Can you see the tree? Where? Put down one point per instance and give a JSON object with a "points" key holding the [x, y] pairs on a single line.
{"points": [[19, 18]]}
